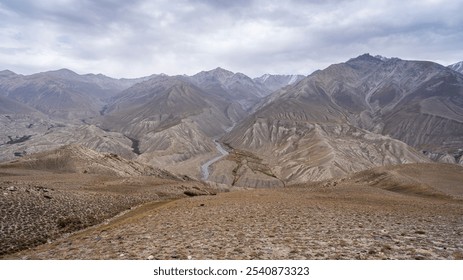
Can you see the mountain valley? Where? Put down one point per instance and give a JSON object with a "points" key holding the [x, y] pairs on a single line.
{"points": [[96, 155]]}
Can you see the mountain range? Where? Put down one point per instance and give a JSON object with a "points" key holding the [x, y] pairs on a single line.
{"points": [[366, 112]]}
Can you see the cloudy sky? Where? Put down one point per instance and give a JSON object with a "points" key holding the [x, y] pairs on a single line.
{"points": [[123, 38]]}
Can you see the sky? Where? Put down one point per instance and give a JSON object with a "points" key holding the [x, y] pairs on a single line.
{"points": [[121, 38]]}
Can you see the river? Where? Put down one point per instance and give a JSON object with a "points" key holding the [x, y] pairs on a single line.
{"points": [[205, 166]]}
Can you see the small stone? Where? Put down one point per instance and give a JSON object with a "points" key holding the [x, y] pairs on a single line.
{"points": [[423, 252], [47, 196], [202, 204], [11, 189], [189, 257], [194, 193], [150, 257], [121, 255]]}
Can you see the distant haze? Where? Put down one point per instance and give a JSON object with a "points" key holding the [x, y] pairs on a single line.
{"points": [[142, 37]]}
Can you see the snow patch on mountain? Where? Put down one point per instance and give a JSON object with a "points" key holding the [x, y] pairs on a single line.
{"points": [[457, 67]]}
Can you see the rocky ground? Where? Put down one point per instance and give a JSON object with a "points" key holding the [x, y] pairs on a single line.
{"points": [[323, 221], [38, 207]]}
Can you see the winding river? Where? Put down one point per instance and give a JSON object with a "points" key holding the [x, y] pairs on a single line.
{"points": [[222, 151], [205, 166]]}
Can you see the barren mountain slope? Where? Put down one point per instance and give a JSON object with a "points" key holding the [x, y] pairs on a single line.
{"points": [[418, 102], [62, 94], [235, 87], [457, 67], [422, 179], [51, 193], [276, 82], [168, 119], [57, 102], [174, 118], [78, 159], [172, 121], [302, 150], [10, 106], [25, 134], [165, 101], [310, 131]]}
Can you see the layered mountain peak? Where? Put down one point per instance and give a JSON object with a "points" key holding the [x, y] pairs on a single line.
{"points": [[383, 58], [7, 74], [368, 60], [364, 62], [216, 75], [221, 77], [220, 70], [61, 73], [234, 86], [63, 94], [356, 109], [275, 82], [457, 67], [365, 57]]}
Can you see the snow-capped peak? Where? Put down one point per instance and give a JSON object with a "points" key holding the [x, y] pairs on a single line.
{"points": [[293, 79], [383, 58], [264, 78], [457, 67]]}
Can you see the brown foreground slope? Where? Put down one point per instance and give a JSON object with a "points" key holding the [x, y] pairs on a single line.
{"points": [[37, 207], [352, 218], [46, 195]]}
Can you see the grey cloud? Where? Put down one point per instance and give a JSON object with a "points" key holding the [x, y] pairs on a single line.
{"points": [[134, 38], [225, 4]]}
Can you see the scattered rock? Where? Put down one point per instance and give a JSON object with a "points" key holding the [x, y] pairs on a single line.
{"points": [[194, 192], [272, 224], [12, 189], [47, 196]]}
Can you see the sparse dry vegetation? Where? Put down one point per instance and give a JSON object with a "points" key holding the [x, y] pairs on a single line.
{"points": [[349, 218], [37, 207]]}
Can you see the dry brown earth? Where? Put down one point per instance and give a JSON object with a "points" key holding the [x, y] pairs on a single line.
{"points": [[339, 219], [39, 206]]}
